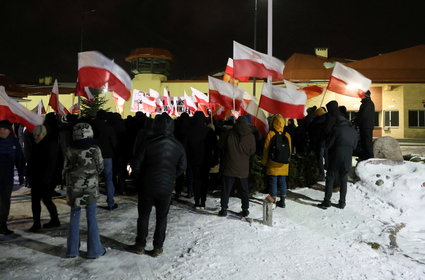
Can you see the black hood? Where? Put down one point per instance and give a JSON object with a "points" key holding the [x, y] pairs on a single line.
{"points": [[332, 107], [242, 127], [163, 125]]}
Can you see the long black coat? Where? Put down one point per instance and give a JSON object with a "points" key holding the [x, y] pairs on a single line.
{"points": [[366, 117], [160, 161]]}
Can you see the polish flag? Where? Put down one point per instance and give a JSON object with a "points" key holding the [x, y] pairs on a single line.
{"points": [[99, 72], [119, 103], [148, 105], [259, 119], [201, 97], [248, 62], [289, 103], [228, 95], [175, 112], [347, 81], [167, 101], [229, 71], [159, 103], [39, 109], [16, 113], [310, 91], [153, 93], [219, 112], [189, 103], [74, 109], [54, 101]]}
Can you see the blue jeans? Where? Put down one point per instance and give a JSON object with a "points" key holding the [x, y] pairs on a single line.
{"points": [[95, 248], [275, 182], [107, 174]]}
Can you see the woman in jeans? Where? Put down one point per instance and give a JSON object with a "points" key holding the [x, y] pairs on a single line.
{"points": [[83, 164]]}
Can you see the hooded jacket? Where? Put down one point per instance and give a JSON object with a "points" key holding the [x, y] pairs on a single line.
{"points": [[83, 164], [275, 168]]}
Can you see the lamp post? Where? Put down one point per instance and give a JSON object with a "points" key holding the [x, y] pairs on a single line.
{"points": [[254, 81], [83, 17]]}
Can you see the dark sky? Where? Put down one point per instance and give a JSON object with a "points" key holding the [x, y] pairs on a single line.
{"points": [[43, 37]]}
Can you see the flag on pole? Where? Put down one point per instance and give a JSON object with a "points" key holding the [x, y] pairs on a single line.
{"points": [[39, 109], [54, 101], [189, 103], [166, 100], [290, 103], [16, 113], [310, 91], [219, 112], [148, 105], [175, 112], [230, 72], [259, 119], [74, 109], [99, 72], [224, 93], [250, 63], [153, 93], [347, 81], [201, 98], [119, 103]]}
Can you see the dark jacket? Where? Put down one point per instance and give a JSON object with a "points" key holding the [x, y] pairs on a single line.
{"points": [[10, 156], [239, 146], [161, 160], [366, 117], [105, 137]]}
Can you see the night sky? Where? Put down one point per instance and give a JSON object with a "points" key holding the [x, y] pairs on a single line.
{"points": [[40, 38]]}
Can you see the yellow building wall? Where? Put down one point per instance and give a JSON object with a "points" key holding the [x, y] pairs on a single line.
{"points": [[32, 101], [392, 100], [414, 95]]}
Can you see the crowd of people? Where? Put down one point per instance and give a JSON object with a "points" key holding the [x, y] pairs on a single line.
{"points": [[190, 154]]}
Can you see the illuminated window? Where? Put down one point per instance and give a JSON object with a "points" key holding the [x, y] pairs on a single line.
{"points": [[391, 118], [416, 118]]}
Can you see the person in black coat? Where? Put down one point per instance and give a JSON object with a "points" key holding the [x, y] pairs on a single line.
{"points": [[155, 168], [341, 144], [365, 120]]}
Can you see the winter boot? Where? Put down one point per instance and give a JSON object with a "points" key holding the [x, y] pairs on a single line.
{"points": [[156, 252], [54, 222], [222, 213], [324, 205], [4, 230], [244, 213], [35, 227], [281, 202], [136, 248]]}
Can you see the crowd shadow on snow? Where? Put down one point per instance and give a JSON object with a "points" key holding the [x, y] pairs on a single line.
{"points": [[302, 199]]}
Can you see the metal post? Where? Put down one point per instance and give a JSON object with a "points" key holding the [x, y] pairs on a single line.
{"points": [[254, 81], [269, 31]]}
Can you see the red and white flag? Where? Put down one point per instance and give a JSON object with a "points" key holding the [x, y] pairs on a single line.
{"points": [[119, 103], [347, 81], [250, 63], [99, 72], [219, 112], [74, 109], [201, 98], [54, 101], [310, 91], [148, 105], [39, 109], [175, 112], [189, 103], [166, 100], [259, 119], [290, 103], [228, 95], [16, 113], [153, 93], [229, 71]]}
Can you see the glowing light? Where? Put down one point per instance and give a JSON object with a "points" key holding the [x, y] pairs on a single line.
{"points": [[352, 86]]}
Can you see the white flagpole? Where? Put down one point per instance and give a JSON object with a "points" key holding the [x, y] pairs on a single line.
{"points": [[269, 31]]}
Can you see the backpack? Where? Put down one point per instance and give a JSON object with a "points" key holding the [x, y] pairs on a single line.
{"points": [[279, 150]]}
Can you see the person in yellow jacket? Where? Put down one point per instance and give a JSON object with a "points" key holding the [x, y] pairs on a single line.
{"points": [[276, 172]]}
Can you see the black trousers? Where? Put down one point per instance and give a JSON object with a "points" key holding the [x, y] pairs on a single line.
{"points": [[227, 189], [200, 184], [366, 137], [42, 193], [5, 196], [333, 176], [162, 206]]}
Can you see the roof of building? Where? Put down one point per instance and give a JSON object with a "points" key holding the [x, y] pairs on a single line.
{"points": [[150, 53]]}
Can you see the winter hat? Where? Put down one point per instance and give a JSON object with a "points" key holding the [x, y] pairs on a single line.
{"points": [[39, 133], [82, 131], [6, 124], [367, 94], [320, 112]]}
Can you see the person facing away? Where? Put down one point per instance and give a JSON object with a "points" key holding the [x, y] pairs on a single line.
{"points": [[82, 166], [365, 120], [238, 146], [156, 165], [10, 156], [276, 172], [340, 145]]}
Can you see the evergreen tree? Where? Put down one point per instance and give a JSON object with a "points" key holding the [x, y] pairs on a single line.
{"points": [[89, 108]]}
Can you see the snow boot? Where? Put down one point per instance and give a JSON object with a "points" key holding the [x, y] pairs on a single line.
{"points": [[35, 227], [222, 213], [281, 202], [136, 248], [244, 213], [324, 205], [4, 230], [341, 205], [54, 222], [156, 252]]}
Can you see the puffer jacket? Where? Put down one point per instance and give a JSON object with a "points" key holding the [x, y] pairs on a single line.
{"points": [[83, 164], [275, 168]]}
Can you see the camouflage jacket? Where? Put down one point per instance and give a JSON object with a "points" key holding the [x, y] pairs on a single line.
{"points": [[82, 169]]}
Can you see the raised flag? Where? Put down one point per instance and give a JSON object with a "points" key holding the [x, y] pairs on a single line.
{"points": [[250, 63], [290, 103], [175, 111], [259, 119], [189, 103], [39, 109], [148, 105], [119, 103], [16, 113], [310, 91], [54, 101], [153, 93], [230, 72], [347, 81], [99, 72], [228, 95], [201, 98], [166, 100]]}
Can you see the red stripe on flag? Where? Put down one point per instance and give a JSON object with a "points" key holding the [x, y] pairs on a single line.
{"points": [[339, 86], [7, 114], [216, 97], [249, 68], [287, 110]]}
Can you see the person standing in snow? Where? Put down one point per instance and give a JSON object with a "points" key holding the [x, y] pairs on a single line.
{"points": [[160, 159], [83, 164], [276, 172], [340, 145], [238, 146], [10, 156], [365, 120]]}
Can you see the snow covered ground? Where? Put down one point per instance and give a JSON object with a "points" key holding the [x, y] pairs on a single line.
{"points": [[379, 235]]}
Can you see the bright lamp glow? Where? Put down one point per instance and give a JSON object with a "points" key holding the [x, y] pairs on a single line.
{"points": [[352, 86]]}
